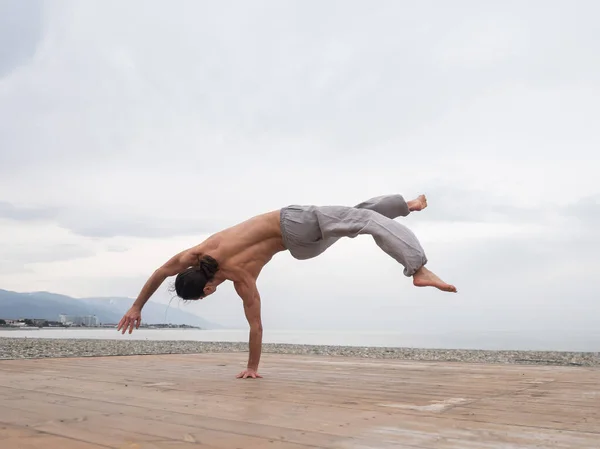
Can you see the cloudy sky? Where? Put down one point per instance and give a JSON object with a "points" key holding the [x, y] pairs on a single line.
{"points": [[132, 130]]}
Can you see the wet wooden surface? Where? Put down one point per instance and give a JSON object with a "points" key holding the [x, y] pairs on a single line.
{"points": [[195, 401]]}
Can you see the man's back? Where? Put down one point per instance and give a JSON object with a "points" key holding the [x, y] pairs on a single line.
{"points": [[247, 246]]}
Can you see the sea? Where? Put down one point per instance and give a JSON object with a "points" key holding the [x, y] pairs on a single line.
{"points": [[578, 341]]}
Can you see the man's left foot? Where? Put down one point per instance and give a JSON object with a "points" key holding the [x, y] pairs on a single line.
{"points": [[417, 204]]}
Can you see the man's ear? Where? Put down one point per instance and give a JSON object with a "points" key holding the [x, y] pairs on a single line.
{"points": [[209, 289]]}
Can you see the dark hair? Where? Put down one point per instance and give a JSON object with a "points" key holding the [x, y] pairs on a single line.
{"points": [[190, 283]]}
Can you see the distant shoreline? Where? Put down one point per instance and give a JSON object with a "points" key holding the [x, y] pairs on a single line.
{"points": [[33, 348]]}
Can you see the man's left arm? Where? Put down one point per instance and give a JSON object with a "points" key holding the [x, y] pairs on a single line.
{"points": [[249, 294]]}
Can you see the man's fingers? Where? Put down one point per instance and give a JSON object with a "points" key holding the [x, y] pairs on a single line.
{"points": [[248, 375], [125, 325], [129, 322]]}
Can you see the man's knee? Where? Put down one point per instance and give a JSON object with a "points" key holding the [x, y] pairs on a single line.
{"points": [[390, 206], [396, 206]]}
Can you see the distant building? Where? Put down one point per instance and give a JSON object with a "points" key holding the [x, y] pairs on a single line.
{"points": [[79, 320], [91, 320], [15, 322], [67, 319]]}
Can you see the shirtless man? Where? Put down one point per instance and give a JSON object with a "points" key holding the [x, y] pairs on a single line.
{"points": [[239, 253]]}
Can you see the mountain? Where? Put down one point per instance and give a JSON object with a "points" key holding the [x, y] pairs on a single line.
{"points": [[153, 312], [48, 306]]}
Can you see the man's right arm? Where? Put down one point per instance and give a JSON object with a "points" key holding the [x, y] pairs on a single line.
{"points": [[173, 266], [251, 298]]}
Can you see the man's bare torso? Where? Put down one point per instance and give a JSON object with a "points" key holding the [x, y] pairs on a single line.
{"points": [[244, 249]]}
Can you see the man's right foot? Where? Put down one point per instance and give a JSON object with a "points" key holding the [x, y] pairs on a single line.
{"points": [[425, 278], [417, 204]]}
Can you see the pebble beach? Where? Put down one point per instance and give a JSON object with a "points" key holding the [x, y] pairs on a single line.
{"points": [[32, 348]]}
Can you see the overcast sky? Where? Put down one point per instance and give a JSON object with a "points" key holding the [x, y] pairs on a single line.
{"points": [[132, 130]]}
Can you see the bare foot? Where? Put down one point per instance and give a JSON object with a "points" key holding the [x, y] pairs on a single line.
{"points": [[425, 278], [417, 204]]}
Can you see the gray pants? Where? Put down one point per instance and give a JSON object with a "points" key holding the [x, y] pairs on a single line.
{"points": [[309, 230]]}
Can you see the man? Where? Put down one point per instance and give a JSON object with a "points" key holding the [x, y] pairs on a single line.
{"points": [[239, 253]]}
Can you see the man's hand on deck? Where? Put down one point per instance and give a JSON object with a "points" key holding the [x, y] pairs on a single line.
{"points": [[249, 373], [131, 319]]}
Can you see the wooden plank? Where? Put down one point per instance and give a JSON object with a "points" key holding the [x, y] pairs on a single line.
{"points": [[195, 401], [163, 430], [304, 437], [425, 428], [349, 392], [316, 411], [421, 432], [419, 384]]}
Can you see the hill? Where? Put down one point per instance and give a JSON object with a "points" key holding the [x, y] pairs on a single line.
{"points": [[48, 306]]}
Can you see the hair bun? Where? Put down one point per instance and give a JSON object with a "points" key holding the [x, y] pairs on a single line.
{"points": [[209, 266]]}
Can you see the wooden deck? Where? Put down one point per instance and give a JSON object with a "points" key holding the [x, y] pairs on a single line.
{"points": [[194, 401]]}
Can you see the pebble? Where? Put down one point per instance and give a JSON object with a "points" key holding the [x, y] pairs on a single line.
{"points": [[34, 348]]}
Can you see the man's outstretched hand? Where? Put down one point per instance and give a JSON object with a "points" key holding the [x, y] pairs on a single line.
{"points": [[249, 373], [131, 319]]}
